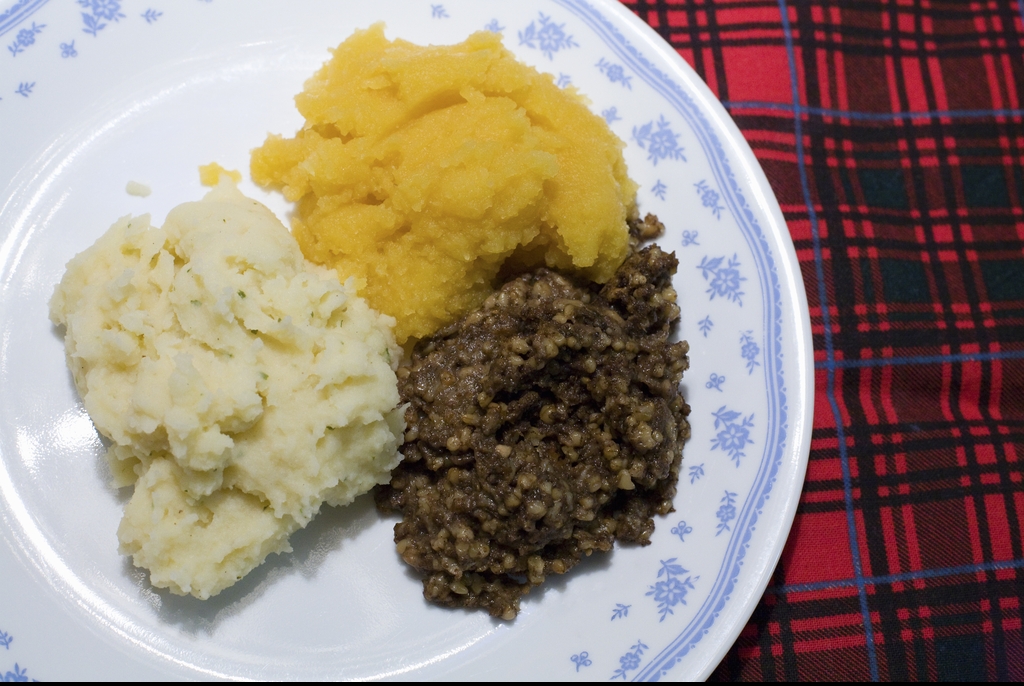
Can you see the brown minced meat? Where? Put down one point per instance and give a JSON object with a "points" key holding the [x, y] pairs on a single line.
{"points": [[542, 427]]}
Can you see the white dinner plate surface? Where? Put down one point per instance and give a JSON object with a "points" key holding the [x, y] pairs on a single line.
{"points": [[97, 93]]}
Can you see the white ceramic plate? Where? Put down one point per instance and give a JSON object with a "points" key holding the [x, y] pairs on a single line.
{"points": [[96, 93]]}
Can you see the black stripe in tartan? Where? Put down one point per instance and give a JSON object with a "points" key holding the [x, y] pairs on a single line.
{"points": [[868, 37], [716, 47], [717, 58], [942, 613], [955, 606], [773, 623], [939, 481], [926, 437], [869, 40], [689, 37], [850, 279], [859, 278], [943, 292]]}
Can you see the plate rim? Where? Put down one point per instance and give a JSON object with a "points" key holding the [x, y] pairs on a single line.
{"points": [[796, 423]]}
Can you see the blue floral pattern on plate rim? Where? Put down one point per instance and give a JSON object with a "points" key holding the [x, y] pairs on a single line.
{"points": [[771, 292]]}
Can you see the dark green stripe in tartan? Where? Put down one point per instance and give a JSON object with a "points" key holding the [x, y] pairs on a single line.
{"points": [[921, 626]]}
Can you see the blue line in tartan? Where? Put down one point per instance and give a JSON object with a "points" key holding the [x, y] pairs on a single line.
{"points": [[921, 359], [819, 270], [896, 578], [872, 116]]}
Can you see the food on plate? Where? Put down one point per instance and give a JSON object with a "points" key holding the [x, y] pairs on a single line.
{"points": [[209, 174], [541, 427], [137, 189], [422, 171], [241, 387]]}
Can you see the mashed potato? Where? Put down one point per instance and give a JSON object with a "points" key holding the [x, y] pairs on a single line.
{"points": [[421, 170], [241, 386]]}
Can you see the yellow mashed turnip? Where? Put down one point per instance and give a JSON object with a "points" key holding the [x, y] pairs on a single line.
{"points": [[422, 170]]}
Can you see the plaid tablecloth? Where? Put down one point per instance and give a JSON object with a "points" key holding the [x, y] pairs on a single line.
{"points": [[892, 132]]}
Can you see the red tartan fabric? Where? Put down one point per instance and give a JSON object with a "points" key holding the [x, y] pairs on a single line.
{"points": [[892, 132]]}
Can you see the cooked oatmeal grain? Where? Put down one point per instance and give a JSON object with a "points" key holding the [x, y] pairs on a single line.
{"points": [[541, 428]]}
